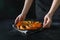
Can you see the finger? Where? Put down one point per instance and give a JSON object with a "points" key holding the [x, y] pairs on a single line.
{"points": [[16, 20], [45, 21], [47, 25]]}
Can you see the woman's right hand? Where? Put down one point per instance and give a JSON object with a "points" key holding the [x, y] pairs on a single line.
{"points": [[24, 12], [20, 17]]}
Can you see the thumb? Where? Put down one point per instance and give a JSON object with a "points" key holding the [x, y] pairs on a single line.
{"points": [[16, 20], [44, 23]]}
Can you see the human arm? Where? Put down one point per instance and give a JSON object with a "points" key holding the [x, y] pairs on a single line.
{"points": [[24, 12], [48, 16]]}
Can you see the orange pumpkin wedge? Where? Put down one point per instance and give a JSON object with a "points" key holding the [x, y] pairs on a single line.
{"points": [[29, 25]]}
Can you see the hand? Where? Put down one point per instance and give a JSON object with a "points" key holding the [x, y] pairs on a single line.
{"points": [[47, 21], [20, 17]]}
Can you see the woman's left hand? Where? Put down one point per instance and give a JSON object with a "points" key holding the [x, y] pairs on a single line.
{"points": [[47, 21]]}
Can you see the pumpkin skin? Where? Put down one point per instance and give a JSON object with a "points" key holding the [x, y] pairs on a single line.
{"points": [[28, 25]]}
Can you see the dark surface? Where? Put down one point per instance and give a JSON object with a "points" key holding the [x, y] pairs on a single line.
{"points": [[6, 32]]}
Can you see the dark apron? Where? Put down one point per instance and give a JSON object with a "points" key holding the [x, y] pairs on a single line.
{"points": [[42, 7]]}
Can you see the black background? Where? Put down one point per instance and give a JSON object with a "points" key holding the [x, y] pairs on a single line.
{"points": [[10, 9]]}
